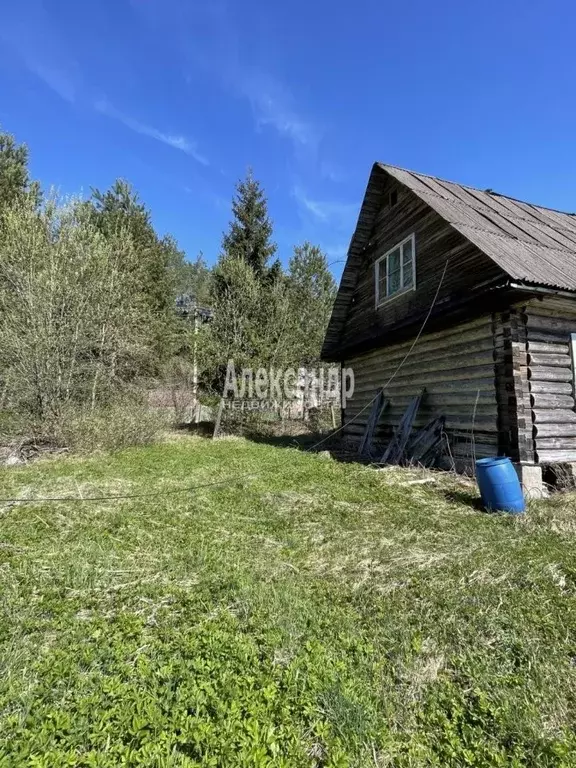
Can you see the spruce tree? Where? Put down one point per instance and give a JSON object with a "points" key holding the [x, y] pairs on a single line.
{"points": [[246, 289], [250, 232]]}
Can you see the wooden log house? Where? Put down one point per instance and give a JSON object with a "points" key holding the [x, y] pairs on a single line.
{"points": [[497, 279]]}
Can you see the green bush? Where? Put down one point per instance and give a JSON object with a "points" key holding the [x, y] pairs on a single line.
{"points": [[105, 429], [73, 321]]}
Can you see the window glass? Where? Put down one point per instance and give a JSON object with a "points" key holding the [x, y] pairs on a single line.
{"points": [[407, 251], [393, 282], [408, 275], [394, 261], [407, 264], [395, 270], [382, 284]]}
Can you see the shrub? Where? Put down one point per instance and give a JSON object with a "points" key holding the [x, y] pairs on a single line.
{"points": [[73, 323], [180, 377], [108, 428]]}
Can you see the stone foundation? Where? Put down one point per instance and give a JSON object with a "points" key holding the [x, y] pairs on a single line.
{"points": [[530, 476]]}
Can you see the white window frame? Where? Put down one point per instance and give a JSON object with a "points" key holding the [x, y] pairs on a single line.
{"points": [[380, 301]]}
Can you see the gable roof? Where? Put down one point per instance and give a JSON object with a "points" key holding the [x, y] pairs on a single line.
{"points": [[532, 244]]}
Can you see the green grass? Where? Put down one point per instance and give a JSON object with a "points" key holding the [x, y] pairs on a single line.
{"points": [[319, 614]]}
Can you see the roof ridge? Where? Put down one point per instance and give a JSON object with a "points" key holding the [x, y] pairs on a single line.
{"points": [[475, 189]]}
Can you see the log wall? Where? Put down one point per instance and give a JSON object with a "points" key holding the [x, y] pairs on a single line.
{"points": [[549, 323], [513, 386], [437, 245], [455, 366], [504, 382]]}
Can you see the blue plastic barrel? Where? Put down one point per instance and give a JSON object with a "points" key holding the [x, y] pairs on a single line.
{"points": [[499, 485]]}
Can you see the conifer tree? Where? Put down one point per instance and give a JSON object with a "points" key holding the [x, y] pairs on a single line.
{"points": [[250, 232], [14, 175]]}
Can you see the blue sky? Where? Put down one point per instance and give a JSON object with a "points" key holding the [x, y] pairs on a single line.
{"points": [[180, 97]]}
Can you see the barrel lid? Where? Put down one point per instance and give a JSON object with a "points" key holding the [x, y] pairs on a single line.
{"points": [[491, 462]]}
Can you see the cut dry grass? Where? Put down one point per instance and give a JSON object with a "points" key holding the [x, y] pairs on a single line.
{"points": [[319, 614]]}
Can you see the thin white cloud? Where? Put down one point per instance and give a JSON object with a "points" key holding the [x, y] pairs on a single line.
{"points": [[219, 50], [273, 105], [57, 79], [28, 32], [175, 141], [326, 211]]}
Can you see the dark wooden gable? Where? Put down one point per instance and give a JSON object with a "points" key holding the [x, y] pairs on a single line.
{"points": [[370, 206], [391, 212]]}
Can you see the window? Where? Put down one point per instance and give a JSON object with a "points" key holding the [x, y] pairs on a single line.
{"points": [[395, 272], [392, 198]]}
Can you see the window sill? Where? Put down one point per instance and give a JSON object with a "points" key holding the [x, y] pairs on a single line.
{"points": [[394, 296]]}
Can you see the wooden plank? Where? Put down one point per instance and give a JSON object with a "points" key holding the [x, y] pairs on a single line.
{"points": [[429, 406], [519, 409], [438, 362], [413, 384], [555, 456], [394, 416], [429, 410], [558, 324], [395, 449], [552, 306], [378, 406], [549, 337], [468, 448], [549, 360], [555, 416], [556, 304], [550, 374], [550, 387], [456, 374], [441, 400], [450, 340], [554, 430], [455, 388], [557, 443], [423, 446], [542, 348], [469, 423], [548, 401]]}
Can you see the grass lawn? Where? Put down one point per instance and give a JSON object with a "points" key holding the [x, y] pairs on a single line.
{"points": [[318, 614]]}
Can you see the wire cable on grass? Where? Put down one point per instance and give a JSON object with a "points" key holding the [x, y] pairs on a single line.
{"points": [[154, 494], [398, 368]]}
